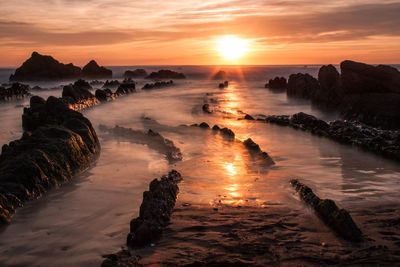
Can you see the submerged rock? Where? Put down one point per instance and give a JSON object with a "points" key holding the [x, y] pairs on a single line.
{"points": [[338, 219], [155, 211], [228, 133], [126, 87], [93, 71], [57, 143], [138, 73], [206, 108], [166, 74], [152, 139], [39, 67]]}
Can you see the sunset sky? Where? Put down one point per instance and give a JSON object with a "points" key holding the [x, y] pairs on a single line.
{"points": [[120, 32]]}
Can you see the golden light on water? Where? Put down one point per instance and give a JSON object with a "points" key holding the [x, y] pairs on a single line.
{"points": [[231, 47]]}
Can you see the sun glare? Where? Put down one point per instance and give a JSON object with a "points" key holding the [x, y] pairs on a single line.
{"points": [[231, 47]]}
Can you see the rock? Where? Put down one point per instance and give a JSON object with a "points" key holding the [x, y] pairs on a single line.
{"points": [[93, 71], [206, 109], [337, 219], [308, 121], [138, 73], [111, 84], [223, 85], [166, 74], [302, 85], [121, 258], [220, 75], [157, 85], [370, 94], [39, 67], [278, 83], [104, 95], [126, 87], [248, 117], [17, 90], [57, 144], [256, 152], [155, 211], [78, 98], [96, 82], [82, 84], [228, 133], [329, 93], [204, 125], [216, 128], [152, 139]]}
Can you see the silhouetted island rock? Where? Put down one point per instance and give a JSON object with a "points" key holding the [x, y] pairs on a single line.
{"points": [[39, 67], [57, 143], [278, 83], [302, 85], [166, 74], [138, 73], [93, 71], [220, 75]]}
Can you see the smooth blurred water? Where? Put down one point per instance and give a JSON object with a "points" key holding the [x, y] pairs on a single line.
{"points": [[79, 222]]}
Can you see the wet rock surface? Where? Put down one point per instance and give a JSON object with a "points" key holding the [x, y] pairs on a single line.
{"points": [[166, 74], [223, 85], [302, 85], [93, 71], [57, 143], [326, 209], [157, 85], [111, 84], [78, 97], [383, 142], [126, 87], [152, 139], [16, 91], [39, 67], [256, 152], [155, 211]]}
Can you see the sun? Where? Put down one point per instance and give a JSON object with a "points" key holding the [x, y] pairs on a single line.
{"points": [[231, 47]]}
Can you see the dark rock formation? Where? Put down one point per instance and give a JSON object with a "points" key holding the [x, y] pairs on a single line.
{"points": [[383, 142], [302, 85], [204, 125], [220, 75], [78, 98], [96, 82], [329, 91], [152, 139], [155, 211], [256, 152], [138, 73], [122, 258], [248, 117], [57, 143], [206, 108], [104, 95], [111, 84], [82, 84], [157, 85], [93, 71], [39, 67], [371, 94], [17, 90], [223, 85], [126, 87], [166, 74], [339, 220], [227, 133], [278, 83]]}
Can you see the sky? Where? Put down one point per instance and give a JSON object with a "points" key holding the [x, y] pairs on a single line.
{"points": [[186, 32]]}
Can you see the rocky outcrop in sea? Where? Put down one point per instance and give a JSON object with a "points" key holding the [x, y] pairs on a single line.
{"points": [[92, 70], [157, 85], [57, 143], [278, 83], [17, 90], [166, 74], [138, 73]]}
